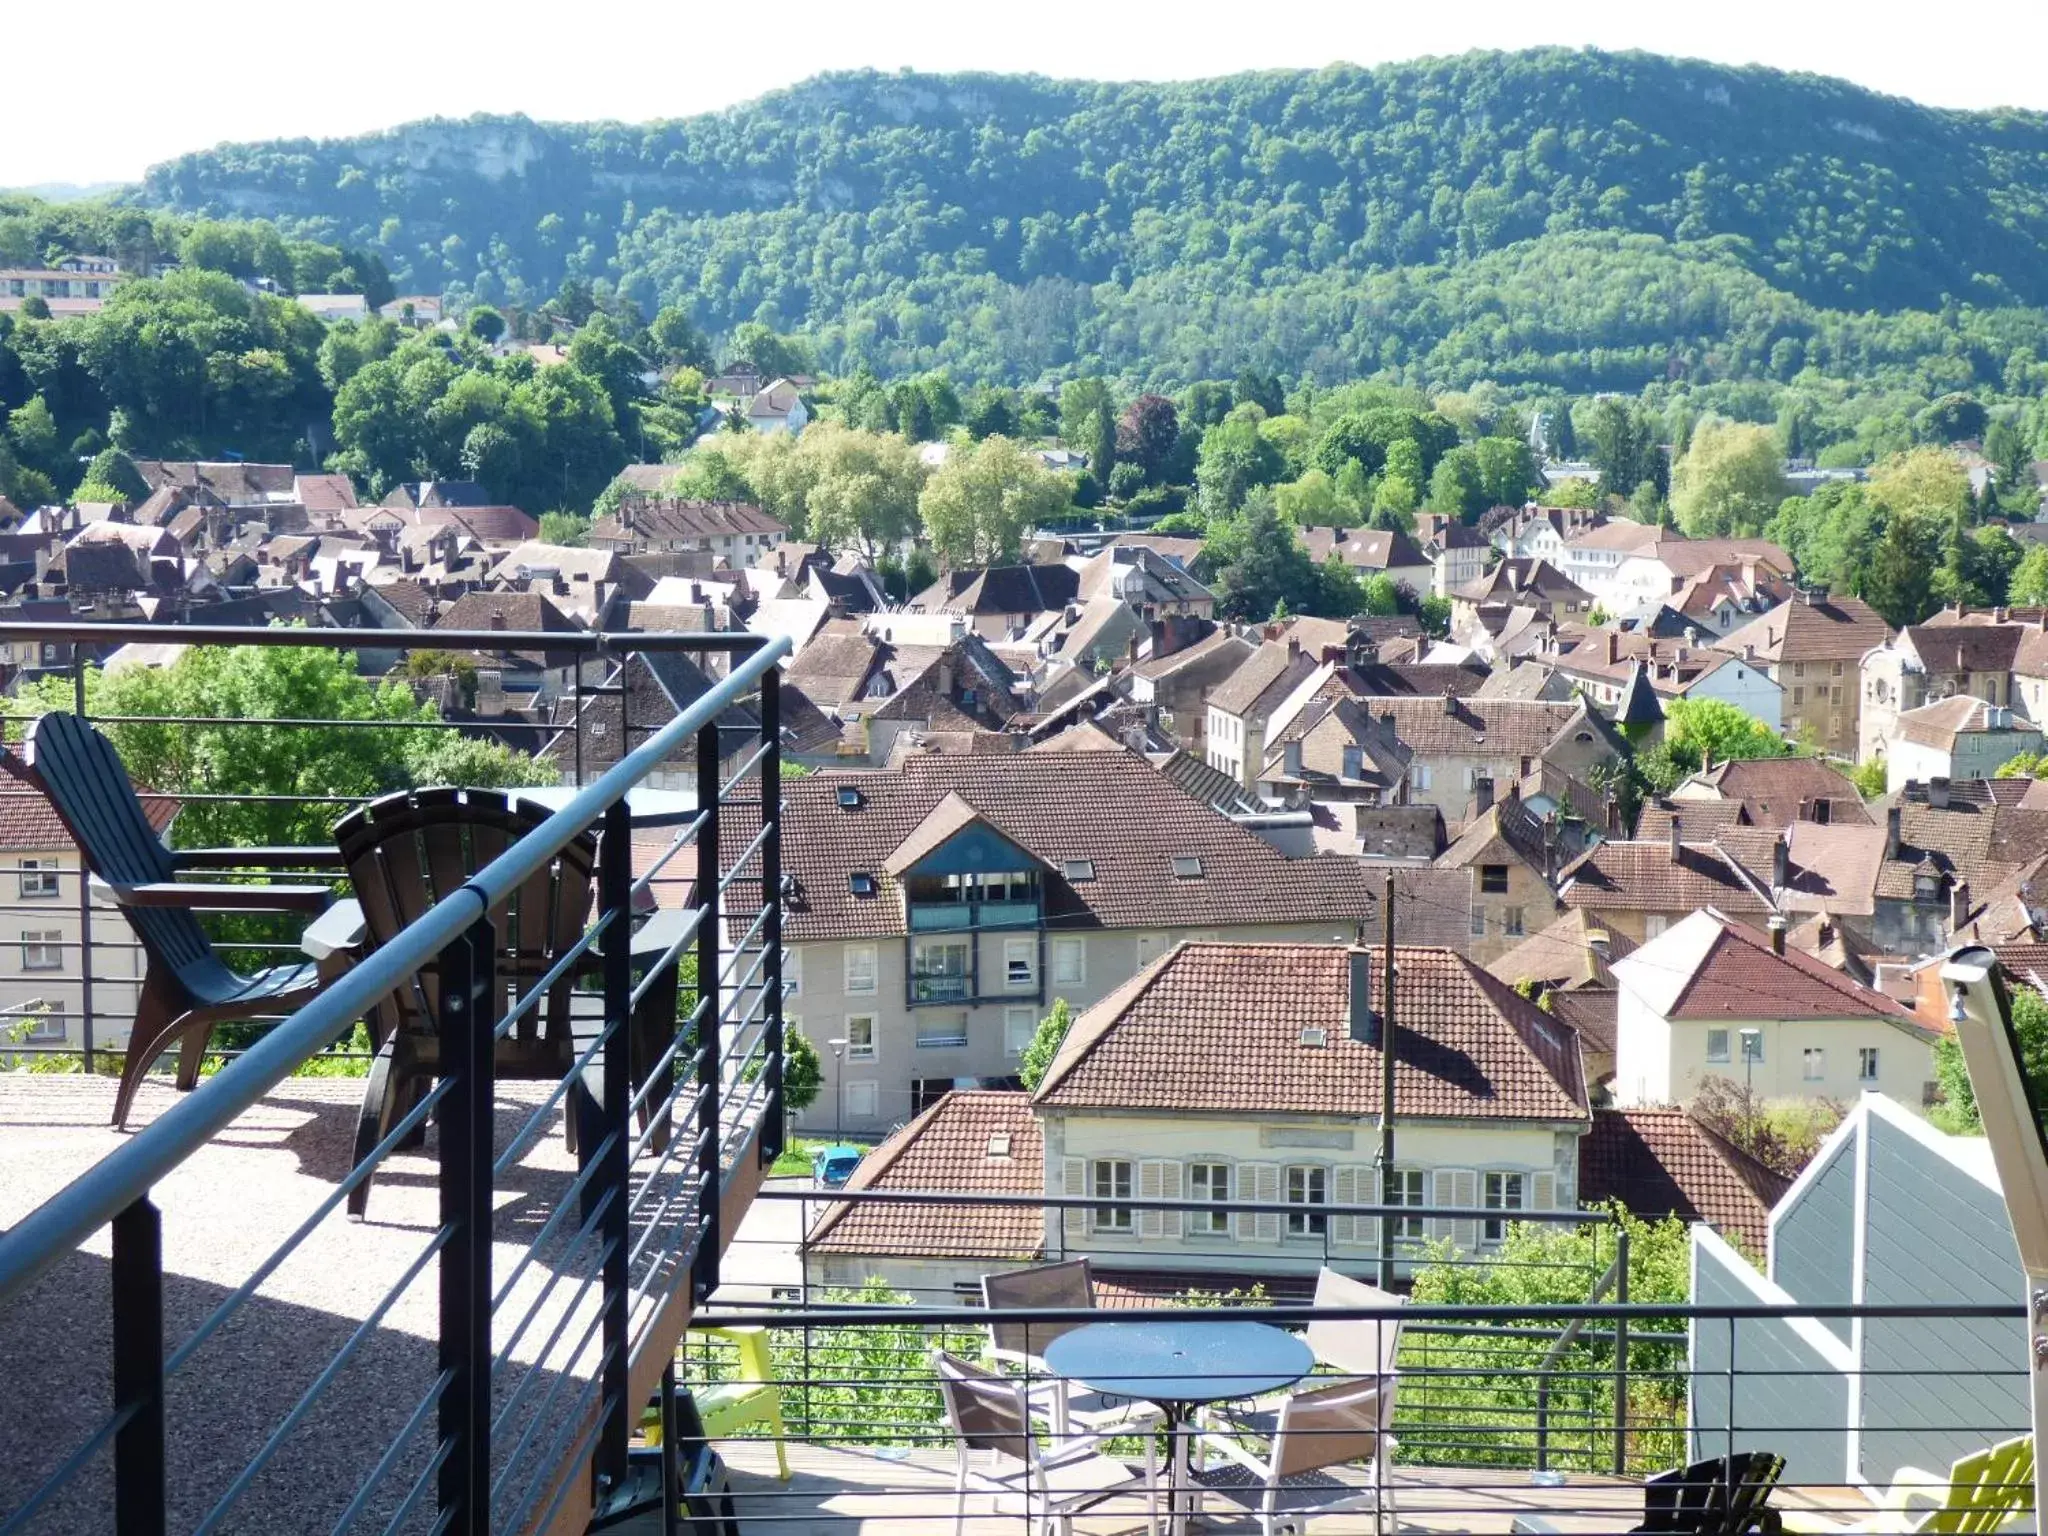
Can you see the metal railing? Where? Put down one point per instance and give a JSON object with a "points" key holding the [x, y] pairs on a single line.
{"points": [[461, 1387]]}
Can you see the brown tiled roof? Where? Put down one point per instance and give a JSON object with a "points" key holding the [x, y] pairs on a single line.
{"points": [[1592, 1012], [1662, 1162], [1216, 1028], [30, 824], [1776, 788], [1515, 580], [1563, 954], [1001, 589], [1688, 557], [513, 612], [1268, 674], [948, 1147], [1363, 548], [666, 517], [1112, 808], [1980, 843], [1221, 640], [1833, 867], [1823, 629], [832, 668], [1738, 973], [1979, 647], [326, 493], [1643, 877], [1477, 727], [413, 602]]}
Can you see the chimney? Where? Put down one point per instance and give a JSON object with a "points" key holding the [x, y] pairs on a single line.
{"points": [[1677, 837], [1827, 930], [1777, 929], [1290, 758], [1958, 905], [1937, 794], [1613, 817], [1131, 650], [497, 618], [1891, 833], [1365, 1024], [1781, 863], [1293, 648], [1749, 652], [1450, 703], [1482, 794], [1613, 647], [1998, 615]]}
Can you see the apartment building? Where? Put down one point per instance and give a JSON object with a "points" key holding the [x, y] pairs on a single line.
{"points": [[934, 914], [1813, 649]]}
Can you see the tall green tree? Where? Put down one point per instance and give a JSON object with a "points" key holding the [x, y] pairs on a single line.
{"points": [[1731, 480], [980, 503]]}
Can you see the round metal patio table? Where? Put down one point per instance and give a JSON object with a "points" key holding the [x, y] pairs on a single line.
{"points": [[1179, 1367]]}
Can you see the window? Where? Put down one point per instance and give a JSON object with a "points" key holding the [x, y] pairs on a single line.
{"points": [[860, 967], [46, 1025], [1866, 1064], [42, 949], [1187, 866], [1110, 1178], [1798, 697], [1019, 1025], [1209, 1182], [38, 878], [1752, 1045], [862, 1100], [792, 973], [1493, 879], [1813, 1064], [1717, 1045], [1418, 775], [1307, 1186], [1479, 922], [1504, 1192], [1654, 923], [1078, 871], [861, 884], [939, 971], [860, 1037], [938, 1029], [1020, 964], [1404, 1187], [1069, 962], [1511, 922]]}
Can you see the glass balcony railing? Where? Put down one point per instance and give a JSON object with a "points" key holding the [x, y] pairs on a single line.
{"points": [[940, 917]]}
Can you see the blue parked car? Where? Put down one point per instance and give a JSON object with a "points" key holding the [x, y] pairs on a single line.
{"points": [[833, 1166]]}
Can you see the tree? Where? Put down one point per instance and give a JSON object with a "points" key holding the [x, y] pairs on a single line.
{"points": [[981, 502], [1717, 729], [243, 762], [1899, 578], [1925, 483], [2029, 587], [1147, 434], [1236, 458], [485, 324], [859, 489], [1624, 449], [2012, 469], [1045, 1043], [1953, 418], [1958, 1110], [775, 356], [803, 1074], [115, 471], [566, 528], [1730, 481], [1783, 1137], [1869, 778], [1507, 471], [1457, 488], [1257, 563], [679, 341], [2021, 765]]}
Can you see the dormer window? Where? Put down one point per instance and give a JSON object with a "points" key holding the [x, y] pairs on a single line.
{"points": [[1926, 887], [850, 799]]}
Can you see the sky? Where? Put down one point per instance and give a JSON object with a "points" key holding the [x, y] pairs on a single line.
{"points": [[167, 79]]}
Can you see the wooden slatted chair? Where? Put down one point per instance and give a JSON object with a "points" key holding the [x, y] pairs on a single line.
{"points": [[407, 852], [1983, 1492], [187, 988], [1722, 1496]]}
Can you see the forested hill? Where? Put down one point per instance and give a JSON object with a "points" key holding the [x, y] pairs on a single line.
{"points": [[1016, 225]]}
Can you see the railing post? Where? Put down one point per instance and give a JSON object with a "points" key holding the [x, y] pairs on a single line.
{"points": [[467, 1033], [773, 1132], [137, 1277], [84, 893], [710, 1014], [615, 889], [1621, 1353]]}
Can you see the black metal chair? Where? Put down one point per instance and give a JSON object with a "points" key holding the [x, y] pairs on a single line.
{"points": [[187, 988], [1722, 1496], [408, 851]]}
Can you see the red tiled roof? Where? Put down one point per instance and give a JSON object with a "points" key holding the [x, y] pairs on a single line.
{"points": [[1662, 1162], [29, 823], [1216, 1028], [1739, 973], [1643, 877], [1112, 808], [951, 1146]]}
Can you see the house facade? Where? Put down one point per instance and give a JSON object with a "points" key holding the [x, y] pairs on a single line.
{"points": [[937, 913], [1813, 649], [1955, 738], [1712, 997]]}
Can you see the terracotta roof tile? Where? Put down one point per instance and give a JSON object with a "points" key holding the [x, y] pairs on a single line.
{"points": [[951, 1146], [1216, 1028], [1662, 1162], [1820, 629], [30, 824], [1643, 877], [1566, 954]]}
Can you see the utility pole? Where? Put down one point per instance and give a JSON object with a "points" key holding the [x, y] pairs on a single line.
{"points": [[1387, 1094]]}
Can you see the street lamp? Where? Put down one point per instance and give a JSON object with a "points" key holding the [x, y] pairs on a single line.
{"points": [[838, 1089], [1752, 1049]]}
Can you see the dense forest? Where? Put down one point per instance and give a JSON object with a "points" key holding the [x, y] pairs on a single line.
{"points": [[1570, 221]]}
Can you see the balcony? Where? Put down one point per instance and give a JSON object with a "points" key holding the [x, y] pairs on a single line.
{"points": [[938, 988], [469, 1354]]}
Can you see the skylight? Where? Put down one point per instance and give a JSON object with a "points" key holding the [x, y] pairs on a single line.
{"points": [[850, 799], [861, 884], [1187, 866], [999, 1144], [1078, 871]]}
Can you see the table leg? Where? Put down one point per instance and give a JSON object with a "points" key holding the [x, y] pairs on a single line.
{"points": [[1179, 1495]]}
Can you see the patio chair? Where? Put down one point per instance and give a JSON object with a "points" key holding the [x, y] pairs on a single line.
{"points": [[1069, 1283], [1722, 1496], [1313, 1433], [1983, 1492], [186, 988], [751, 1397], [1355, 1349], [406, 852], [992, 1414]]}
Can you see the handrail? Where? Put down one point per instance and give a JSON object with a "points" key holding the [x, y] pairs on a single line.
{"points": [[592, 642], [1567, 1337], [40, 1240]]}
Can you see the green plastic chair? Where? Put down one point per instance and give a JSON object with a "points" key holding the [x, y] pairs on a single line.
{"points": [[751, 1397], [1982, 1492]]}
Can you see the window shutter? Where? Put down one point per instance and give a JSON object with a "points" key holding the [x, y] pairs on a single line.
{"points": [[1465, 1186], [1369, 1194], [1074, 1218], [1159, 1179], [1258, 1182], [1543, 1191], [1356, 1185], [1344, 1191]]}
